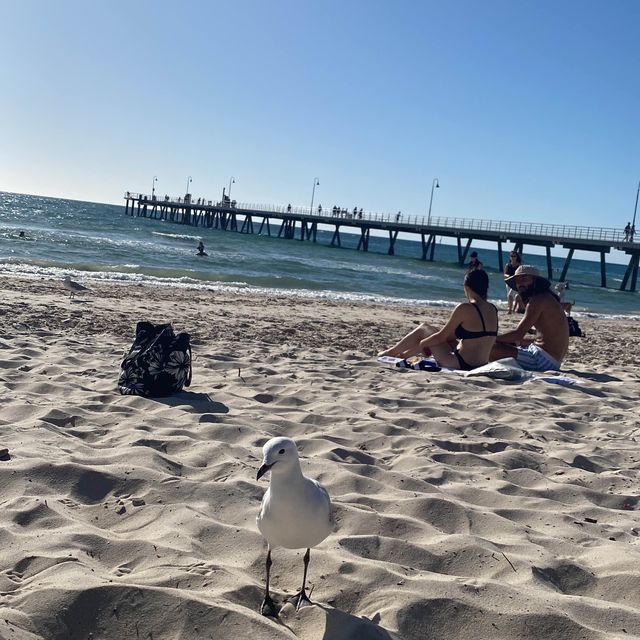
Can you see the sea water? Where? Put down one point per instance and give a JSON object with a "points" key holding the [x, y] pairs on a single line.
{"points": [[92, 241]]}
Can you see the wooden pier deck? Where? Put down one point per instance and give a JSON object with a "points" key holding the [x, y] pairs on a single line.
{"points": [[244, 218]]}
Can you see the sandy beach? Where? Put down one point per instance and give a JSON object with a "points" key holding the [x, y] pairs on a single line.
{"points": [[465, 507]]}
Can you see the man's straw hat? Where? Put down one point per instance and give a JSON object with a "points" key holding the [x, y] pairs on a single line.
{"points": [[525, 270]]}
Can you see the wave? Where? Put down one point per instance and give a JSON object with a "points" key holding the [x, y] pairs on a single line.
{"points": [[34, 272], [179, 236]]}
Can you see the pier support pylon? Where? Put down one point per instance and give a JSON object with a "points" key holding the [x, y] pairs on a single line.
{"points": [[363, 243], [393, 236], [632, 271]]}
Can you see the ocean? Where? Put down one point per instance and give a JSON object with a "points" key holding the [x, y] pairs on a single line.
{"points": [[98, 242]]}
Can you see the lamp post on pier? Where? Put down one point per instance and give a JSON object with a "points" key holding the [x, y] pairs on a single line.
{"points": [[635, 209], [232, 180], [188, 183], [434, 185], [316, 183], [153, 187]]}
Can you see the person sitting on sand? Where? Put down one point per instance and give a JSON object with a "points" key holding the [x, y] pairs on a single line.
{"points": [[466, 339], [546, 350]]}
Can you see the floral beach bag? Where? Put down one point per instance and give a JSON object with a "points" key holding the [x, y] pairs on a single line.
{"points": [[158, 362]]}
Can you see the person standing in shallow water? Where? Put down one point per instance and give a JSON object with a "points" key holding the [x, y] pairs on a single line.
{"points": [[201, 251], [474, 263], [510, 268], [466, 340]]}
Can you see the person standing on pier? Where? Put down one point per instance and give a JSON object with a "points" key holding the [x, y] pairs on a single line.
{"points": [[627, 231]]}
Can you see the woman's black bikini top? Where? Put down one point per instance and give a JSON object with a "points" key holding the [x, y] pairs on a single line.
{"points": [[463, 334]]}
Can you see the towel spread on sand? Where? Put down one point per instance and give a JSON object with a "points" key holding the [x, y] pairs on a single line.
{"points": [[505, 369]]}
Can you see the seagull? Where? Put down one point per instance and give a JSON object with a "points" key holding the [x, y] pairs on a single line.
{"points": [[73, 286], [295, 512]]}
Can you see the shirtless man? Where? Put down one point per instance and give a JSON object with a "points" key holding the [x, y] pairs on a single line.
{"points": [[547, 349]]}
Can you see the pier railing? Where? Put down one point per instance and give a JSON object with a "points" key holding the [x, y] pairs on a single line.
{"points": [[551, 231]]}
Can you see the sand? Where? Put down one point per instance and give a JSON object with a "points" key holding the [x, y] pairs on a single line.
{"points": [[465, 508]]}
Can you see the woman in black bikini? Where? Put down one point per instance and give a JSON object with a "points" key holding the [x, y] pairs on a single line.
{"points": [[466, 339]]}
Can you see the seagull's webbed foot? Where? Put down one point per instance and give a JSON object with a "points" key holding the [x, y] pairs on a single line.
{"points": [[300, 600], [268, 607]]}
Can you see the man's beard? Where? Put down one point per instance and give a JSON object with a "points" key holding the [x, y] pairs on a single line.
{"points": [[526, 292]]}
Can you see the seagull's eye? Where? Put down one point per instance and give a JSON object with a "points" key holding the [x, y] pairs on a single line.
{"points": [[281, 451]]}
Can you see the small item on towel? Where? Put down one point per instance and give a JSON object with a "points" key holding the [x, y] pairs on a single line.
{"points": [[415, 362], [420, 363]]}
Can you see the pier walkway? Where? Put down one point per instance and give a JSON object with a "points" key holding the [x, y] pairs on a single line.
{"points": [[244, 218]]}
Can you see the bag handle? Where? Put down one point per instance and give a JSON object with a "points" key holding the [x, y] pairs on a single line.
{"points": [[188, 380]]}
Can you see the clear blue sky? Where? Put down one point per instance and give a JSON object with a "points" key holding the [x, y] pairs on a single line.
{"points": [[524, 110]]}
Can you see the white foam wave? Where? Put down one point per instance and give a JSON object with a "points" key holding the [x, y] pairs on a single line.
{"points": [[121, 278], [179, 236]]}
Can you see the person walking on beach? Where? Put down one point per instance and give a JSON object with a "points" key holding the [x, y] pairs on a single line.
{"points": [[515, 260], [474, 263], [466, 340], [546, 350]]}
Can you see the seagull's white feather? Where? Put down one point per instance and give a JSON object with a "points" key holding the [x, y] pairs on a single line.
{"points": [[296, 510]]}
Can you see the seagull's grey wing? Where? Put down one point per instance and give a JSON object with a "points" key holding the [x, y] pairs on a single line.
{"points": [[322, 489], [76, 286], [326, 495]]}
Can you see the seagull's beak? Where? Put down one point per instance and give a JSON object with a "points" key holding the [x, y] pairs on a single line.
{"points": [[263, 469]]}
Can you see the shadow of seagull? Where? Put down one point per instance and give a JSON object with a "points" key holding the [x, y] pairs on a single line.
{"points": [[338, 625]]}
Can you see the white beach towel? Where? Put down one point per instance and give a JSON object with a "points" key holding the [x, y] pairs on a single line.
{"points": [[506, 369]]}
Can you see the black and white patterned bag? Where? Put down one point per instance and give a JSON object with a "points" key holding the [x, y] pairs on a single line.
{"points": [[158, 362]]}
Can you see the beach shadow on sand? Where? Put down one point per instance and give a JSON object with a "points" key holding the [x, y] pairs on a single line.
{"points": [[199, 402], [338, 625], [590, 392], [595, 377]]}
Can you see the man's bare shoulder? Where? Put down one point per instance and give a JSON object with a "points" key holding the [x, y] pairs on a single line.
{"points": [[542, 300]]}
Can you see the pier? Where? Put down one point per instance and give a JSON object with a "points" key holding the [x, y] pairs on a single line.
{"points": [[228, 215]]}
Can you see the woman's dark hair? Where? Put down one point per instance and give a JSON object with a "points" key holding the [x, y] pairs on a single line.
{"points": [[478, 281]]}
